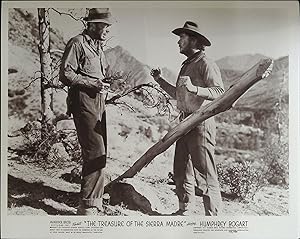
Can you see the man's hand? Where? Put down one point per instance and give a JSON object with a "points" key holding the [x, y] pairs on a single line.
{"points": [[101, 86], [116, 76], [187, 83], [155, 73]]}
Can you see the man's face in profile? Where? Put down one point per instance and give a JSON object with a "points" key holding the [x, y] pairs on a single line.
{"points": [[184, 43], [100, 30]]}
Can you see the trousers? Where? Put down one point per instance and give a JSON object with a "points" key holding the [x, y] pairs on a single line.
{"points": [[88, 109], [194, 164]]}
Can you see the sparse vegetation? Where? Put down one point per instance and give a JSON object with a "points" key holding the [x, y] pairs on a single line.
{"points": [[50, 149], [241, 179], [244, 179]]}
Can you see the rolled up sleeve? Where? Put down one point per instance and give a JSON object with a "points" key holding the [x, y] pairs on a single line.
{"points": [[213, 80], [70, 66]]}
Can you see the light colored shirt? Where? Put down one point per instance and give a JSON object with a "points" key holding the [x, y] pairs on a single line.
{"points": [[83, 61]]}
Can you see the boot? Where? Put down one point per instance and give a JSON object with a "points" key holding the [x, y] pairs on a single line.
{"points": [[89, 211], [185, 209]]}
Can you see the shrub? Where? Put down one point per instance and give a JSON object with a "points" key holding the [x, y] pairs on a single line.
{"points": [[240, 178], [275, 161], [243, 179], [51, 148]]}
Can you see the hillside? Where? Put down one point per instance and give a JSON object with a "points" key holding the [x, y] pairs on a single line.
{"points": [[23, 30], [269, 91], [239, 62], [120, 60], [137, 72], [242, 139]]}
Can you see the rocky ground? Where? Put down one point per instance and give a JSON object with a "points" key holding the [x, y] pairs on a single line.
{"points": [[34, 190]]}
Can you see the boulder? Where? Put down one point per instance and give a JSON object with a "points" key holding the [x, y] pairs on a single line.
{"points": [[58, 154], [136, 195], [65, 125]]}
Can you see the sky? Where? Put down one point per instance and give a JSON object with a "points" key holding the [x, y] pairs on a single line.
{"points": [[144, 29]]}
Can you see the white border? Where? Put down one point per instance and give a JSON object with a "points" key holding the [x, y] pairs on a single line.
{"points": [[259, 227]]}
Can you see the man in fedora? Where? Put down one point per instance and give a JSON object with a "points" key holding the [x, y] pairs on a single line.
{"points": [[84, 70], [199, 81]]}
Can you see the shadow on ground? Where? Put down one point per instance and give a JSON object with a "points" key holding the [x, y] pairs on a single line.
{"points": [[22, 193], [124, 193]]}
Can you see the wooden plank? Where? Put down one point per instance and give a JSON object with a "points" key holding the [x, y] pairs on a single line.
{"points": [[259, 71]]}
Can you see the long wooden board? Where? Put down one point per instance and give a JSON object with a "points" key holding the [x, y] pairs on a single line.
{"points": [[259, 71]]}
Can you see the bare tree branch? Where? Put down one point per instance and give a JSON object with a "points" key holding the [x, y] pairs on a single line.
{"points": [[70, 15], [33, 79], [161, 102], [56, 50], [122, 103]]}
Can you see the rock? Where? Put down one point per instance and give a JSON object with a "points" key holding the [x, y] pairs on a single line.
{"points": [[20, 92], [12, 70], [58, 154], [74, 176], [11, 93], [32, 125], [230, 160], [136, 195], [125, 130], [65, 125], [32, 130]]}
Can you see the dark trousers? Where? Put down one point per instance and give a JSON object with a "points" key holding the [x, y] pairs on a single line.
{"points": [[88, 109], [194, 162]]}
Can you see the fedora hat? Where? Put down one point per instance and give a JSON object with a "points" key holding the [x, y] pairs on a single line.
{"points": [[100, 15], [192, 28]]}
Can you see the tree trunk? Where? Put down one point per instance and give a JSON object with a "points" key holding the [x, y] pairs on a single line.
{"points": [[223, 103], [46, 71]]}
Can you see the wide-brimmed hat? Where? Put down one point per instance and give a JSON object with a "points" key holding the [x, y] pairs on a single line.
{"points": [[100, 15], [192, 28]]}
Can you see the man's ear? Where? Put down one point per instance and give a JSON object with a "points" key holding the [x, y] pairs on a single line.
{"points": [[194, 41], [91, 26]]}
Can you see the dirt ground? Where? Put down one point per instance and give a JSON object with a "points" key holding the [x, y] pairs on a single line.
{"points": [[33, 190]]}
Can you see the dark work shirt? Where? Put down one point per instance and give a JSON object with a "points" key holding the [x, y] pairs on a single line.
{"points": [[203, 72]]}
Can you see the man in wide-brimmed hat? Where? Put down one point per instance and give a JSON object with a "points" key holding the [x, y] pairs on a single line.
{"points": [[199, 82], [84, 70]]}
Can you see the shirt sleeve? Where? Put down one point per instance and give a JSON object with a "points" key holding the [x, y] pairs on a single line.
{"points": [[213, 81], [167, 87], [70, 65]]}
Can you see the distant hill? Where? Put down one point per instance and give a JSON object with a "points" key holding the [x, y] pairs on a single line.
{"points": [[239, 62], [266, 93], [120, 59], [23, 31]]}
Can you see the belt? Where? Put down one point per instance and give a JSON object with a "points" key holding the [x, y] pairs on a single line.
{"points": [[84, 89]]}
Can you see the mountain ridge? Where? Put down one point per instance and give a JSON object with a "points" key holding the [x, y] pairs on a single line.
{"points": [[232, 67]]}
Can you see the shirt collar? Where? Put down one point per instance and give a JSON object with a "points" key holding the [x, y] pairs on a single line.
{"points": [[197, 55], [96, 44]]}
